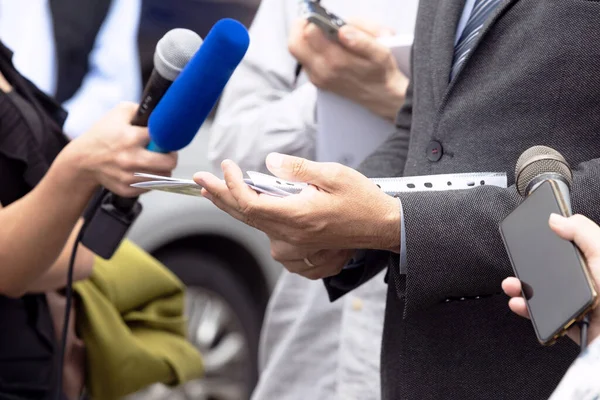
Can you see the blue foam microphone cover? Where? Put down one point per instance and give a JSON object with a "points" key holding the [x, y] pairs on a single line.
{"points": [[189, 100]]}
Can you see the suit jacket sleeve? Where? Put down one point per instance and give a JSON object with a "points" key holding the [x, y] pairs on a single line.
{"points": [[453, 240], [387, 161]]}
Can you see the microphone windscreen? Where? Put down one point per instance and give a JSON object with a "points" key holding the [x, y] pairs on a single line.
{"points": [[174, 50], [189, 100], [540, 160]]}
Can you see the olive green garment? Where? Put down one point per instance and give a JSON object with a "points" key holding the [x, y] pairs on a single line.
{"points": [[130, 317]]}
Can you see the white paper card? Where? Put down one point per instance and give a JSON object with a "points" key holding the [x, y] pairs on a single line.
{"points": [[346, 131]]}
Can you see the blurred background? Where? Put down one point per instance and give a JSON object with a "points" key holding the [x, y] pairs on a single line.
{"points": [[226, 265]]}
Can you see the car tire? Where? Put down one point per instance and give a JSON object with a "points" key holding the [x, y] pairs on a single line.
{"points": [[203, 271]]}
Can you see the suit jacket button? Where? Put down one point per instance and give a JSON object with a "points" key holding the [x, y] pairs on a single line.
{"points": [[434, 151]]}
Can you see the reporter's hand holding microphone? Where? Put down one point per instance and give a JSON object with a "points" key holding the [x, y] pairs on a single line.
{"points": [[112, 150], [586, 236]]}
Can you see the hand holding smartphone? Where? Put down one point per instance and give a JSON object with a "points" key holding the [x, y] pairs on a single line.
{"points": [[556, 282], [328, 22]]}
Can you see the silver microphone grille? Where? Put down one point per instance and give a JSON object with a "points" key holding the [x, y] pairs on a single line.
{"points": [[539, 160], [174, 50]]}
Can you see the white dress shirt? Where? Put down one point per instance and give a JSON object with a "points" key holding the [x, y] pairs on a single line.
{"points": [[310, 348], [26, 28]]}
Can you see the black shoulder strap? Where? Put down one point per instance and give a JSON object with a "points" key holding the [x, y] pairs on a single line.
{"points": [[76, 25]]}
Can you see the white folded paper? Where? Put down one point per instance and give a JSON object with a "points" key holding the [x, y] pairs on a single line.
{"points": [[274, 186], [346, 131]]}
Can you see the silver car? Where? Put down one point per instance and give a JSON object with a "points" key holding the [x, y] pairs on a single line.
{"points": [[229, 273]]}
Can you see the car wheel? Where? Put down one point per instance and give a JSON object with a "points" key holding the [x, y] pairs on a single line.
{"points": [[223, 323]]}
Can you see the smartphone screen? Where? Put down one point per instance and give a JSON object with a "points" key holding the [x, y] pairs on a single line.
{"points": [[552, 272]]}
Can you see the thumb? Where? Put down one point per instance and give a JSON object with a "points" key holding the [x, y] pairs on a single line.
{"points": [[298, 169], [580, 230]]}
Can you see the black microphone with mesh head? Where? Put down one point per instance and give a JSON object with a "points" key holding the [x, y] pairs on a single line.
{"points": [[109, 217], [173, 52], [539, 164]]}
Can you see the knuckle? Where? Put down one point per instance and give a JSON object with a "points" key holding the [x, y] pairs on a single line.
{"points": [[129, 137], [578, 218], [297, 237], [334, 172], [125, 162], [122, 106], [293, 46], [381, 57], [313, 274], [315, 77], [126, 179], [299, 167], [328, 73]]}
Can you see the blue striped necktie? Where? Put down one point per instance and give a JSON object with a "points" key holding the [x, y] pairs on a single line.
{"points": [[481, 11]]}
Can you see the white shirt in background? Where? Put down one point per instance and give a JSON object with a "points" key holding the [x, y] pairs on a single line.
{"points": [[310, 348]]}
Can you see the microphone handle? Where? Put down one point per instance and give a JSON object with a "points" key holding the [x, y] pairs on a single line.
{"points": [[563, 188], [155, 89]]}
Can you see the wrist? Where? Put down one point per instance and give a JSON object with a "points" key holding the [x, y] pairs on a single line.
{"points": [[388, 236], [75, 170]]}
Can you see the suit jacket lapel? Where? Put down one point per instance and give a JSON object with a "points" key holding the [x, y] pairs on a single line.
{"points": [[444, 37], [442, 47], [503, 6]]}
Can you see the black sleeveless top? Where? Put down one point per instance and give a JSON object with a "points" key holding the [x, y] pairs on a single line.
{"points": [[30, 139]]}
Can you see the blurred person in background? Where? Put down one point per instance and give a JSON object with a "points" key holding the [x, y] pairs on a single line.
{"points": [[45, 184], [311, 348], [82, 53], [581, 381]]}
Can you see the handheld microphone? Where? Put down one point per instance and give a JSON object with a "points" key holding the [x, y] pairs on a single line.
{"points": [[540, 163], [555, 279], [109, 217], [192, 96], [173, 51], [174, 122]]}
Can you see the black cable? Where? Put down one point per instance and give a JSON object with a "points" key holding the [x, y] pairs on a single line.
{"points": [[69, 300], [583, 334]]}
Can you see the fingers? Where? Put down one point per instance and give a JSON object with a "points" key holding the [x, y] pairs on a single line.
{"points": [[580, 230], [285, 252], [321, 263], [297, 45], [518, 306], [296, 169], [314, 272], [512, 287], [240, 191], [216, 189], [370, 27], [363, 44], [153, 163], [126, 109], [137, 136], [316, 39]]}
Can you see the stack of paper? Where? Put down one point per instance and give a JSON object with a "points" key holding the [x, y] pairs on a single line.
{"points": [[346, 131], [274, 186]]}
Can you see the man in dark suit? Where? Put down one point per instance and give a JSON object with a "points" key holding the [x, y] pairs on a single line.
{"points": [[490, 79]]}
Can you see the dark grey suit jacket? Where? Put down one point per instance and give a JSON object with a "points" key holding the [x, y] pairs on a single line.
{"points": [[533, 79]]}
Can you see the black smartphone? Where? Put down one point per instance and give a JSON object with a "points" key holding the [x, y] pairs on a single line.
{"points": [[557, 285], [328, 22]]}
